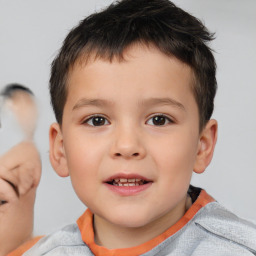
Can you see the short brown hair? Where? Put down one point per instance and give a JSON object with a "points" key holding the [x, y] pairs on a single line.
{"points": [[158, 22]]}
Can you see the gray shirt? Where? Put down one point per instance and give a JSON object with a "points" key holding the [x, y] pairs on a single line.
{"points": [[213, 231]]}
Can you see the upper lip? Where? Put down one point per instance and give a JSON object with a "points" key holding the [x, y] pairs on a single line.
{"points": [[126, 176]]}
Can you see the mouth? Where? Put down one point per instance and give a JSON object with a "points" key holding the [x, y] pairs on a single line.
{"points": [[128, 184], [123, 182]]}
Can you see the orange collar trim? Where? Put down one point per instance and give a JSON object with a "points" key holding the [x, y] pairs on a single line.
{"points": [[85, 224], [25, 247]]}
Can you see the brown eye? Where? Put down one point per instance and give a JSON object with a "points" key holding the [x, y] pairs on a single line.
{"points": [[159, 120], [97, 121]]}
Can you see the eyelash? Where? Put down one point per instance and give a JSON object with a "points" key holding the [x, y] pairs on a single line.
{"points": [[91, 118], [166, 119]]}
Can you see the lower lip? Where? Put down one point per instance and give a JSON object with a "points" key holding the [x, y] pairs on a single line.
{"points": [[129, 190]]}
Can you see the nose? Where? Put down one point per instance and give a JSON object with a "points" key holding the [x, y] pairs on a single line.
{"points": [[128, 144]]}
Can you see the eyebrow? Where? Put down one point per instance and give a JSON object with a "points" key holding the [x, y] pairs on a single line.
{"points": [[84, 102], [163, 101], [92, 102]]}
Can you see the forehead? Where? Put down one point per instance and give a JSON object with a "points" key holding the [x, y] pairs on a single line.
{"points": [[138, 63]]}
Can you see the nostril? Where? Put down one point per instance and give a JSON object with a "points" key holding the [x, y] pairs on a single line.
{"points": [[119, 154]]}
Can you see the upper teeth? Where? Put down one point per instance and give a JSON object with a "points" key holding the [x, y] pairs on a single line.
{"points": [[127, 180]]}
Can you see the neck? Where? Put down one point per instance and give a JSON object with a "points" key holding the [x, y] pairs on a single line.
{"points": [[114, 236]]}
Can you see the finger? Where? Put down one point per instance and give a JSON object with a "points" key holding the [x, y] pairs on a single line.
{"points": [[37, 172], [10, 159], [9, 176], [26, 178], [20, 153], [21, 166], [7, 194]]}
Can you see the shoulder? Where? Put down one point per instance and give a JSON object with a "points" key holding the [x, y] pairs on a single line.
{"points": [[217, 222], [66, 241], [212, 231]]}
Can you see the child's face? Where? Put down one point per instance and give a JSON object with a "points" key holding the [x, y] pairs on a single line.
{"points": [[130, 137]]}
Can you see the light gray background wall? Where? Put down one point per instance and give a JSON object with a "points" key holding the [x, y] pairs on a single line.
{"points": [[31, 32]]}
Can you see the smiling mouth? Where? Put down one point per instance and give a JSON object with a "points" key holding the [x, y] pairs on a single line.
{"points": [[122, 182]]}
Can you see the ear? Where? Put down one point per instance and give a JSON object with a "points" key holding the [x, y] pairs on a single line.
{"points": [[206, 145], [57, 152]]}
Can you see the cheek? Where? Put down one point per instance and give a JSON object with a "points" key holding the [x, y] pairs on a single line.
{"points": [[84, 157], [175, 167], [81, 151], [81, 161], [175, 155]]}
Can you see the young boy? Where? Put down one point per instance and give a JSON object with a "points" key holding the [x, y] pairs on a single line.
{"points": [[132, 89]]}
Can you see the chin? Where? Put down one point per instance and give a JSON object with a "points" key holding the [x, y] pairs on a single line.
{"points": [[130, 219]]}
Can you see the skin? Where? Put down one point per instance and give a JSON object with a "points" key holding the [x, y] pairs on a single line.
{"points": [[20, 170], [129, 95]]}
